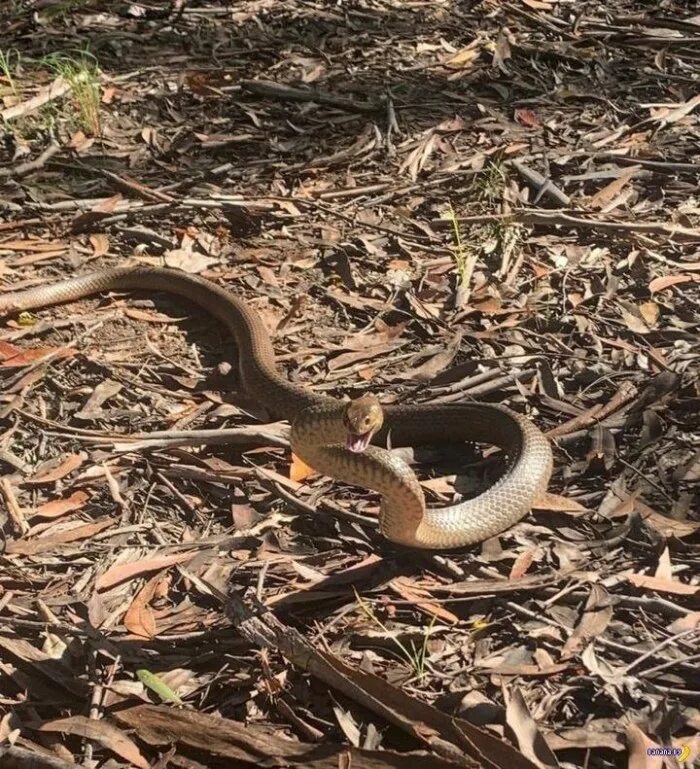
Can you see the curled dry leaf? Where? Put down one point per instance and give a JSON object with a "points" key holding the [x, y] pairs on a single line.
{"points": [[527, 117], [522, 563], [139, 618], [528, 736], [100, 244]]}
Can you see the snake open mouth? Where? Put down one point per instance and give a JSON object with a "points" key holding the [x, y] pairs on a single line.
{"points": [[358, 442]]}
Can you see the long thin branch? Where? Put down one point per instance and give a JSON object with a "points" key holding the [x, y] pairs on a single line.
{"points": [[561, 219]]}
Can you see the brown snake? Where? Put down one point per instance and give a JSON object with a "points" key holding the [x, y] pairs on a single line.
{"points": [[320, 424]]}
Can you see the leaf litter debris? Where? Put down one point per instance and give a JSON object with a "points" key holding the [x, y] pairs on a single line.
{"points": [[436, 202]]}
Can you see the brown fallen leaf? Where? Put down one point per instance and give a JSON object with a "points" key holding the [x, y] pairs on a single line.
{"points": [[596, 734], [663, 585], [100, 244], [537, 5], [462, 58], [26, 357], [360, 572], [556, 503], [139, 618], [667, 527], [8, 350], [299, 471], [149, 316], [666, 115], [525, 668], [58, 507], [527, 117], [522, 563], [88, 219], [664, 569], [32, 756], [188, 260], [438, 362], [650, 313], [613, 189], [528, 737], [43, 544], [243, 513], [666, 281], [638, 744], [500, 586], [634, 322], [440, 485], [100, 731], [403, 587], [689, 622], [123, 572], [367, 353], [35, 258], [595, 618], [55, 469], [202, 83], [16, 224], [272, 475], [31, 245], [418, 158]]}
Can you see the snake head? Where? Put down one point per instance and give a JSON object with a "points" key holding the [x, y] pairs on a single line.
{"points": [[363, 417]]}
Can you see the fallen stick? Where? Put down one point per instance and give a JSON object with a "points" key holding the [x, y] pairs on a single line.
{"points": [[561, 219], [58, 88], [596, 413], [288, 93]]}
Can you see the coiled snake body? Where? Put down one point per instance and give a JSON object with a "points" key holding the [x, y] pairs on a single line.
{"points": [[319, 426]]}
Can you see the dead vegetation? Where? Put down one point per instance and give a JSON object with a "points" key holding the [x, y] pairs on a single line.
{"points": [[431, 201]]}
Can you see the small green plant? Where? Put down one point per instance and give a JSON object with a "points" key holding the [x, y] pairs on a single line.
{"points": [[465, 257], [6, 67], [415, 657], [490, 182], [82, 75], [498, 236]]}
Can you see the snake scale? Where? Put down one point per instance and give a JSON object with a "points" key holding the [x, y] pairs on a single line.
{"points": [[320, 424]]}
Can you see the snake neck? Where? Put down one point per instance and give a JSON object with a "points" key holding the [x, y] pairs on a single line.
{"points": [[318, 438]]}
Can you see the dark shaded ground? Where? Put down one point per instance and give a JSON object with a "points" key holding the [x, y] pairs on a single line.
{"points": [[571, 296]]}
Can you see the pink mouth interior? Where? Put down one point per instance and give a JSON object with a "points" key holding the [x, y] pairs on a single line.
{"points": [[357, 443]]}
